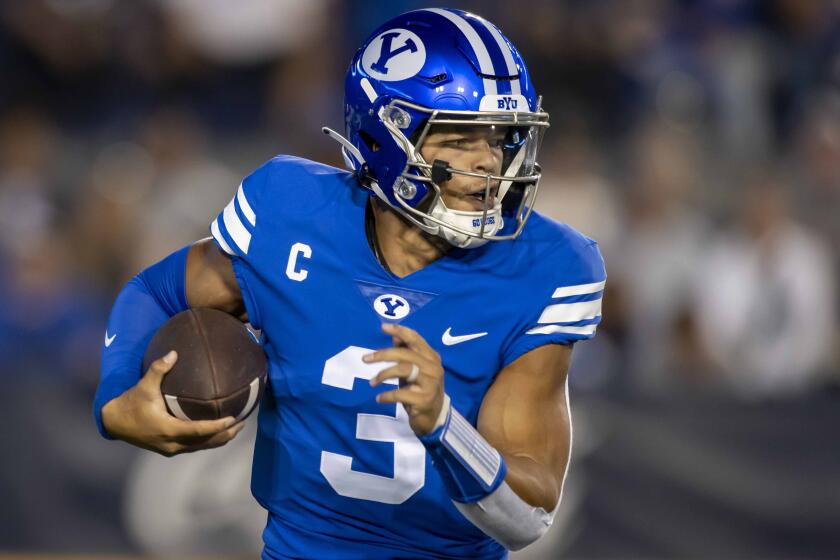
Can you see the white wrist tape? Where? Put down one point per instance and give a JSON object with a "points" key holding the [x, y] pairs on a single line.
{"points": [[444, 412], [469, 466], [507, 518]]}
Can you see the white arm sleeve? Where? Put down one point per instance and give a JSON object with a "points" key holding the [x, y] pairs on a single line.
{"points": [[507, 518]]}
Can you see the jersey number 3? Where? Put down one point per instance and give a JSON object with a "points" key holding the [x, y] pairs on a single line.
{"points": [[409, 455]]}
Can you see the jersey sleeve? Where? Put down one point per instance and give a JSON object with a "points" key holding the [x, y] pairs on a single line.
{"points": [[235, 225], [566, 311], [235, 228]]}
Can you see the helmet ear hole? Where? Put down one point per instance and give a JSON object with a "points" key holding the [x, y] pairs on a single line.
{"points": [[369, 141]]}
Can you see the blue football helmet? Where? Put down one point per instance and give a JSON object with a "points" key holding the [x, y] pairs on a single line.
{"points": [[442, 67]]}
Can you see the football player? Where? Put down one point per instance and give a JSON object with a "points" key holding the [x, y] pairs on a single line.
{"points": [[418, 316]]}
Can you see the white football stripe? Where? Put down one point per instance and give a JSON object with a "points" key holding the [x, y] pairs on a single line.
{"points": [[217, 235], [236, 229], [246, 208], [580, 289], [552, 329], [485, 63], [506, 52], [571, 312], [177, 411], [253, 391]]}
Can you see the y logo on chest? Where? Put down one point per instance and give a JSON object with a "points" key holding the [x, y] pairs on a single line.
{"points": [[392, 303], [391, 306]]}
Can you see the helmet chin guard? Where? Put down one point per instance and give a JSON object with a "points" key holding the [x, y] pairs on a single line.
{"points": [[441, 67], [456, 220]]}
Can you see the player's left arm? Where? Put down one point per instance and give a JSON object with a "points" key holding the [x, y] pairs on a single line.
{"points": [[525, 416], [505, 476]]}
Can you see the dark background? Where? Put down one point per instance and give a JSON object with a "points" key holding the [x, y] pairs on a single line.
{"points": [[697, 141]]}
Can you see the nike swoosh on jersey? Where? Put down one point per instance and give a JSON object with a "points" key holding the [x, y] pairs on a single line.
{"points": [[109, 339], [450, 340]]}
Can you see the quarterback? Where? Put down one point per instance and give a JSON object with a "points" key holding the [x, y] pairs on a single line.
{"points": [[417, 314]]}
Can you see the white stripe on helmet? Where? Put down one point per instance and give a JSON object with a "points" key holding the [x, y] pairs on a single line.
{"points": [[485, 64], [369, 91], [507, 53]]}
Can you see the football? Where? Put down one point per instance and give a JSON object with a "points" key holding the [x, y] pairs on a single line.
{"points": [[221, 369]]}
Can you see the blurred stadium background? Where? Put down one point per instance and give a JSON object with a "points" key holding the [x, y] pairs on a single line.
{"points": [[697, 140]]}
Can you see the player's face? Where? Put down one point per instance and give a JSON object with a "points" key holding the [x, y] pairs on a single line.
{"points": [[477, 149]]}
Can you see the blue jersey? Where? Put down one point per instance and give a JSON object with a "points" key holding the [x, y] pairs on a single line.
{"points": [[341, 475]]}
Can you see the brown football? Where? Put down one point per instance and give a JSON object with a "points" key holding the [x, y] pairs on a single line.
{"points": [[221, 369]]}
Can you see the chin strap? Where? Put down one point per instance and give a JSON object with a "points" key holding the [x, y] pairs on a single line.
{"points": [[466, 220]]}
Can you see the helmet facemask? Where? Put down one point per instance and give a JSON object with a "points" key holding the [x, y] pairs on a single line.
{"points": [[509, 193]]}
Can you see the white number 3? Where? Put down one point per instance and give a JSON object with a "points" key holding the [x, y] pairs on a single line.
{"points": [[409, 454]]}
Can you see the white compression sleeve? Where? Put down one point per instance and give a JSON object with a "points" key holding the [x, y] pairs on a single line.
{"points": [[507, 518]]}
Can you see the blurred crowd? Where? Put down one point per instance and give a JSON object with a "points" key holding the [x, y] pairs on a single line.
{"points": [[697, 140]]}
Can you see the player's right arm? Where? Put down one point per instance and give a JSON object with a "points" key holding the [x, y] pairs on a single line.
{"points": [[130, 407]]}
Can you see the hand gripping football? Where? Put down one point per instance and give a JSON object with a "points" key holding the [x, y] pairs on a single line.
{"points": [[221, 370]]}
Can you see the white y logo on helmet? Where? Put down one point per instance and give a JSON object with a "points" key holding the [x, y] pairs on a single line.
{"points": [[393, 55]]}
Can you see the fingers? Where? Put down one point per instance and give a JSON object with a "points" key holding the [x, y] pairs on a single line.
{"points": [[161, 367], [410, 338], [405, 396], [197, 429], [414, 360], [410, 358], [216, 440], [402, 370], [398, 354]]}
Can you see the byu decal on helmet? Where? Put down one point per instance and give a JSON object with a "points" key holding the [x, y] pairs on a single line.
{"points": [[435, 68]]}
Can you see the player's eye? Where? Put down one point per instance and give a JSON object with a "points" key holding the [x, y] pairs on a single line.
{"points": [[455, 143]]}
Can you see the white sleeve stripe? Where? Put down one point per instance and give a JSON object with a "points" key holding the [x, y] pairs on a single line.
{"points": [[507, 54], [246, 208], [217, 235], [580, 289], [553, 329], [571, 312], [236, 229], [485, 63]]}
